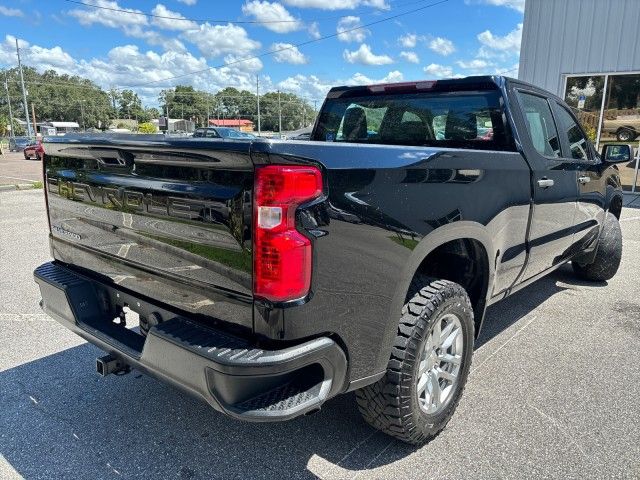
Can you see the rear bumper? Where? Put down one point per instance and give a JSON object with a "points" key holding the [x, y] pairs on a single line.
{"points": [[235, 376]]}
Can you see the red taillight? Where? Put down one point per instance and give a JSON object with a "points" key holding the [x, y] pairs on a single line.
{"points": [[282, 256]]}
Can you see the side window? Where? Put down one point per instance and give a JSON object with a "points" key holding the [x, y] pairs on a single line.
{"points": [[570, 131], [542, 128], [198, 133]]}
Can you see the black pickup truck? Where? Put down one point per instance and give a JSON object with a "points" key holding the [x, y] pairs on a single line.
{"points": [[269, 276]]}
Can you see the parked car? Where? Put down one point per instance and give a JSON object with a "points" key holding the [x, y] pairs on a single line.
{"points": [[361, 261], [35, 151], [18, 144], [221, 132], [302, 136], [625, 129]]}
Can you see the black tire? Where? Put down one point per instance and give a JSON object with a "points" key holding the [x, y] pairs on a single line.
{"points": [[391, 404], [608, 256], [625, 135]]}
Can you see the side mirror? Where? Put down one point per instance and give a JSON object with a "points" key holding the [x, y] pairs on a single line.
{"points": [[617, 153]]}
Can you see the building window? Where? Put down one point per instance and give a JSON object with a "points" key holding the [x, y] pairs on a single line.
{"points": [[584, 96], [619, 94]]}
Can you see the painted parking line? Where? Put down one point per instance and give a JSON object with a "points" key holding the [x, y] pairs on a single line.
{"points": [[21, 179]]}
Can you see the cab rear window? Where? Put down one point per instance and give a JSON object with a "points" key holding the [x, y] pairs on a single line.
{"points": [[460, 119]]}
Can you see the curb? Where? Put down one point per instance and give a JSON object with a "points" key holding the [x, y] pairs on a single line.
{"points": [[20, 186]]}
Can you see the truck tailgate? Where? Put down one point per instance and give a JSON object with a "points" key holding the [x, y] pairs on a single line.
{"points": [[167, 219]]}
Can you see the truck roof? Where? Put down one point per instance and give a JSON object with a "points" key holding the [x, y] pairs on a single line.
{"points": [[481, 81]]}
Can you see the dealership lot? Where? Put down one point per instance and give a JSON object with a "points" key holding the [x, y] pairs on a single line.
{"points": [[16, 170], [554, 392]]}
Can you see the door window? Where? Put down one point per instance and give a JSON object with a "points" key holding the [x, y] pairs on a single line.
{"points": [[571, 132], [542, 128]]}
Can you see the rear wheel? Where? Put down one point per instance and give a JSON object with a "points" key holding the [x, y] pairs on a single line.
{"points": [[429, 365], [607, 260], [625, 135]]}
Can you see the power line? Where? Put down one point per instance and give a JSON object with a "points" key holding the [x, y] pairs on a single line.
{"points": [[235, 22], [292, 47]]}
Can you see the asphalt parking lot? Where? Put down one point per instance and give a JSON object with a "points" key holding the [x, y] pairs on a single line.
{"points": [[554, 392], [16, 170]]}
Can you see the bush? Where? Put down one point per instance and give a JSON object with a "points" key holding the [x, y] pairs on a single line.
{"points": [[147, 127], [591, 132]]}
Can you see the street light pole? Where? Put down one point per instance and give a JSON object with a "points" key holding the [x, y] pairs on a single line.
{"points": [[279, 114], [258, 98], [6, 87], [24, 92]]}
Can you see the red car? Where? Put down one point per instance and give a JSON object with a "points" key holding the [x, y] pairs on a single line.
{"points": [[35, 150]]}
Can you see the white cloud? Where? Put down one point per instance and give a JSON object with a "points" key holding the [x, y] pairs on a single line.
{"points": [[309, 87], [509, 43], [312, 87], [409, 40], [360, 79], [243, 64], [128, 66], [338, 4], [11, 12], [188, 2], [216, 40], [170, 24], [314, 30], [410, 57], [476, 64], [272, 12], [346, 26], [365, 56], [439, 70], [511, 71], [211, 40], [442, 46], [288, 53], [128, 19], [514, 4]]}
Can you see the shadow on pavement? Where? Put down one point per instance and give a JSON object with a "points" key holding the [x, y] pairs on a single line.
{"points": [[59, 419], [507, 312]]}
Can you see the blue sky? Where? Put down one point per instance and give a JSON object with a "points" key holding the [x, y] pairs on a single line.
{"points": [[125, 49]]}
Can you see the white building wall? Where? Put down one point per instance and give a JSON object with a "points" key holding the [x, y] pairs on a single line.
{"points": [[564, 37]]}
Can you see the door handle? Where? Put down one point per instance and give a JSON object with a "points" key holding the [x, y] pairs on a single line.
{"points": [[584, 180], [545, 183]]}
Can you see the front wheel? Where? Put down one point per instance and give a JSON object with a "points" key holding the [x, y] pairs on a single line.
{"points": [[428, 368], [608, 256]]}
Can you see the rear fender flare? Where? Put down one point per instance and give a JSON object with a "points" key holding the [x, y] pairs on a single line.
{"points": [[438, 237]]}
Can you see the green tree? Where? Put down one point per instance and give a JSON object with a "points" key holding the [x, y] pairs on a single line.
{"points": [[57, 97], [129, 105], [4, 125]]}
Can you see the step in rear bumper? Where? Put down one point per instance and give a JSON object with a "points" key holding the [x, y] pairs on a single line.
{"points": [[233, 375]]}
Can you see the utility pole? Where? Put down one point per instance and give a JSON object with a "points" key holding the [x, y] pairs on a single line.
{"points": [[279, 114], [304, 111], [33, 114], [82, 114], [258, 98], [24, 92], [6, 87]]}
